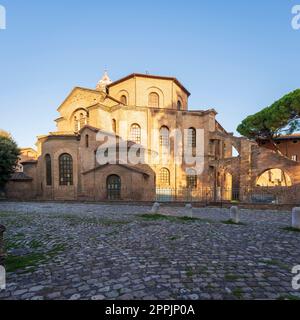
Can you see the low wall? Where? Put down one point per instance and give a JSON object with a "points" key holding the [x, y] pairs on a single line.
{"points": [[20, 190]]}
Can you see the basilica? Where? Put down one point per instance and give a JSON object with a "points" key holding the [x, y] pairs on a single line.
{"points": [[64, 166]]}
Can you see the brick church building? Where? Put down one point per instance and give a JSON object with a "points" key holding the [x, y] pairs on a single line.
{"points": [[132, 110]]}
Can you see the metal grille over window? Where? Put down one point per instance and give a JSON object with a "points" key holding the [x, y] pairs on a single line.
{"points": [[192, 138], [164, 137], [135, 134], [65, 170], [191, 179], [164, 177]]}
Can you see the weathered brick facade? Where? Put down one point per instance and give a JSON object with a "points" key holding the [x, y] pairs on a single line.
{"points": [[148, 103]]}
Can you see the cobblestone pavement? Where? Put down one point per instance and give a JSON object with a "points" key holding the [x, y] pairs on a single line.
{"points": [[94, 251]]}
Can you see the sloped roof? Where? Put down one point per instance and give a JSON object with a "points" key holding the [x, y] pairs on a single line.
{"points": [[105, 95], [127, 167], [134, 75], [289, 137]]}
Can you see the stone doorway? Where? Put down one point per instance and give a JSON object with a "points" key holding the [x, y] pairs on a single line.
{"points": [[114, 186]]}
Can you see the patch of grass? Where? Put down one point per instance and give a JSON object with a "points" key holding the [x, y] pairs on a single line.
{"points": [[161, 217], [231, 277], [109, 223], [6, 214], [174, 238], [14, 263], [288, 297], [188, 219], [29, 261], [19, 236], [35, 244], [157, 217], [238, 293], [230, 222], [290, 229], [12, 244], [277, 263], [190, 272]]}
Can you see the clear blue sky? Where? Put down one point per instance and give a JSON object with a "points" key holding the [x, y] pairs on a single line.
{"points": [[234, 56]]}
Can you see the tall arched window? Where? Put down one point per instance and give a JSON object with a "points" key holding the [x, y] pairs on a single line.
{"points": [[164, 136], [87, 142], [124, 100], [65, 170], [179, 105], [48, 170], [76, 124], [164, 177], [135, 134], [153, 100], [191, 179], [192, 137]]}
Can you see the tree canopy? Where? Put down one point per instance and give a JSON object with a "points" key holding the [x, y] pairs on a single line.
{"points": [[9, 155], [282, 117], [4, 134]]}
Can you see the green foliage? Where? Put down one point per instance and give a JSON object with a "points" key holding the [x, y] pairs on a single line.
{"points": [[9, 155], [282, 117]]}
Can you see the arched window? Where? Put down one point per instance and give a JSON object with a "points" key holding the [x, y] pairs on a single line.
{"points": [[114, 125], [192, 138], [191, 179], [87, 141], [81, 119], [65, 170], [153, 100], [135, 134], [274, 178], [179, 105], [48, 170], [164, 137], [123, 99], [164, 177]]}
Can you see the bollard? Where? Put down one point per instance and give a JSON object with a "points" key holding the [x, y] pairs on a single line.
{"points": [[188, 210], [234, 214], [296, 218], [2, 255], [155, 208]]}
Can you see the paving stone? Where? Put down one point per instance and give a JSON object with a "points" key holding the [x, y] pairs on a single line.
{"points": [[36, 288], [75, 297], [98, 297], [108, 253], [20, 292]]}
